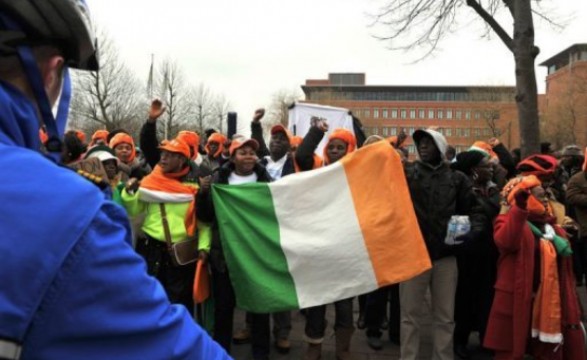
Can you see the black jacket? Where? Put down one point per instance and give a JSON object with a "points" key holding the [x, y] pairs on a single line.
{"points": [[305, 152], [438, 193], [206, 211], [263, 151]]}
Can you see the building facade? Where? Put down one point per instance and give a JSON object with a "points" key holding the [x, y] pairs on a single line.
{"points": [[464, 114], [563, 108]]}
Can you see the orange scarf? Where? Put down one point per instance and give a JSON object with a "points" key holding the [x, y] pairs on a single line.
{"points": [[170, 183], [546, 311]]}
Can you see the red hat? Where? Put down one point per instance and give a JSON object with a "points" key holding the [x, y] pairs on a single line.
{"points": [[240, 141], [538, 165], [280, 128], [176, 146]]}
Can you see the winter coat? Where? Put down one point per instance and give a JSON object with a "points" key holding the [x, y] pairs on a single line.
{"points": [[438, 193], [577, 197], [509, 324]]}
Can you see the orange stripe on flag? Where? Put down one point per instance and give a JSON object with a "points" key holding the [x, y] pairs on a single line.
{"points": [[385, 213]]}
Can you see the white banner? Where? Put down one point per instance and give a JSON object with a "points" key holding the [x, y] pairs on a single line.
{"points": [[300, 115]]}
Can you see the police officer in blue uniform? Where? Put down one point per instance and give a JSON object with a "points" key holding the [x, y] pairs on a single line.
{"points": [[71, 286]]}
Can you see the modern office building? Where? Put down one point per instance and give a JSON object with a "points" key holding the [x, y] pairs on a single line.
{"points": [[463, 114]]}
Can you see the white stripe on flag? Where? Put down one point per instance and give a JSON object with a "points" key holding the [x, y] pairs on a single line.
{"points": [[324, 228], [153, 196]]}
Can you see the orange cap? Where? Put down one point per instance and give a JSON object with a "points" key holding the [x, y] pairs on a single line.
{"points": [[176, 146], [240, 141]]}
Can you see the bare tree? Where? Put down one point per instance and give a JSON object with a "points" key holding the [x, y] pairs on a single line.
{"points": [[423, 23], [107, 99], [177, 96], [202, 107], [278, 110], [219, 112]]}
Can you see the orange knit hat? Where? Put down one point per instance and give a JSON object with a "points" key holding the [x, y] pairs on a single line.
{"points": [[192, 139], [344, 135], [123, 138]]}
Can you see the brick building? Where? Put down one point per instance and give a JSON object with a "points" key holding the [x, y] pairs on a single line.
{"points": [[463, 114], [564, 106]]}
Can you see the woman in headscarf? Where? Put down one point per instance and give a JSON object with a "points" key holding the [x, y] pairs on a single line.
{"points": [[242, 168], [215, 148], [477, 260], [124, 148], [340, 143], [535, 300]]}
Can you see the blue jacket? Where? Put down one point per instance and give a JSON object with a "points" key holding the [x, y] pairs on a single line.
{"points": [[72, 287]]}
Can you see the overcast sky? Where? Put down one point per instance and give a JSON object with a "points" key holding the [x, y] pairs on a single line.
{"points": [[250, 49]]}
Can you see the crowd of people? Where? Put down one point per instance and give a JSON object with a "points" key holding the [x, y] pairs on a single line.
{"points": [[495, 279], [506, 236]]}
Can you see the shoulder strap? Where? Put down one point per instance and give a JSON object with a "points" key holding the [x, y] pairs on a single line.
{"points": [[165, 225]]}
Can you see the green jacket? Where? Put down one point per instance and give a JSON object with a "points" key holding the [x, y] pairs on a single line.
{"points": [[153, 224]]}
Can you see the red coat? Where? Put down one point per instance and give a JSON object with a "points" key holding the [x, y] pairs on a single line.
{"points": [[509, 323]]}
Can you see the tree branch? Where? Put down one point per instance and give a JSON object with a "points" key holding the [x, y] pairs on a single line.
{"points": [[503, 35]]}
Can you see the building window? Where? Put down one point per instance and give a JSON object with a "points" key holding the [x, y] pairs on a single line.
{"points": [[458, 114], [467, 132], [430, 114], [394, 113], [412, 149], [458, 132], [393, 131], [385, 131], [375, 131], [357, 113], [385, 114], [468, 114], [477, 115], [411, 131], [440, 113], [403, 113], [412, 113], [367, 113], [476, 132], [486, 132], [421, 114], [448, 132], [449, 114]]}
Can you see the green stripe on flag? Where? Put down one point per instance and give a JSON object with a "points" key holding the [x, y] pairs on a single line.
{"points": [[249, 233]]}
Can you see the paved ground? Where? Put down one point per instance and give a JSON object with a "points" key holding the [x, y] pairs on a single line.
{"points": [[359, 347]]}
